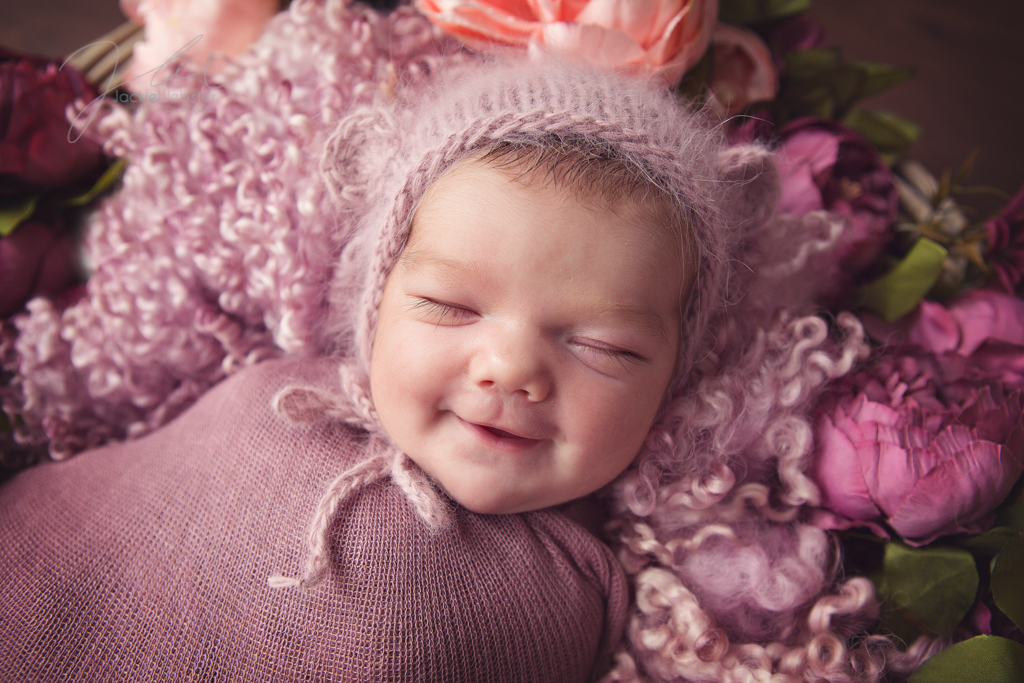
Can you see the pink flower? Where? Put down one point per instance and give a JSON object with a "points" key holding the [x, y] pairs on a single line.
{"points": [[743, 69], [227, 27], [985, 325], [928, 446], [652, 37], [1006, 245], [825, 165]]}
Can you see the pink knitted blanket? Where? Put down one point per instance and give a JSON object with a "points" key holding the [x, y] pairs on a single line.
{"points": [[149, 560]]}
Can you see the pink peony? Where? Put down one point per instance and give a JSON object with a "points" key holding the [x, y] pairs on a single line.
{"points": [[825, 165], [652, 37], [743, 70], [928, 446], [985, 325], [227, 28], [1006, 245]]}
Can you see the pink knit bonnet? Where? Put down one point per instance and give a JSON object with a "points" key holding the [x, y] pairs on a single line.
{"points": [[382, 159]]}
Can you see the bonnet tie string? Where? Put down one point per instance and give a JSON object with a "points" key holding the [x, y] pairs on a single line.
{"points": [[300, 404]]}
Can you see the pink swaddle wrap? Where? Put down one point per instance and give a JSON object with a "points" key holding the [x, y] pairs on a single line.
{"points": [[149, 560]]}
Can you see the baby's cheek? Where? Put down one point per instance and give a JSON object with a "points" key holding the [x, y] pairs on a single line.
{"points": [[425, 366], [617, 422]]}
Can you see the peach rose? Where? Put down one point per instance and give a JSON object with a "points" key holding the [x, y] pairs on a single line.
{"points": [[743, 70], [227, 28], [660, 38]]}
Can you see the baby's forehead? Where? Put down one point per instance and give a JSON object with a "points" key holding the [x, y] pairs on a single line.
{"points": [[638, 238], [597, 182]]}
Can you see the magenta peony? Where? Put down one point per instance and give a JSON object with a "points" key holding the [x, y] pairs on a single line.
{"points": [[922, 445], [36, 259], [825, 165], [1006, 245], [36, 154], [661, 38], [985, 325], [39, 168], [743, 70]]}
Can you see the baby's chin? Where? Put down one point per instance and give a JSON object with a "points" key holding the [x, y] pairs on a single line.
{"points": [[495, 498]]}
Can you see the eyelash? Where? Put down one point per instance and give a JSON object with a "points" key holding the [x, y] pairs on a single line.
{"points": [[443, 310], [619, 355]]}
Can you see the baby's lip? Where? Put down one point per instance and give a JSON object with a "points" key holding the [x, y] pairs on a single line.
{"points": [[503, 433], [499, 437]]}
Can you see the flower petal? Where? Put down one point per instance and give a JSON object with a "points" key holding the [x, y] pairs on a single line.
{"points": [[743, 68], [601, 47], [958, 495], [838, 470], [800, 159], [684, 41], [632, 17], [1003, 360], [988, 314], [480, 25]]}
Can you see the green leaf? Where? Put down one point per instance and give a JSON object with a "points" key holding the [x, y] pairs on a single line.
{"points": [[985, 658], [105, 182], [805, 63], [1008, 580], [738, 11], [776, 9], [1011, 512], [945, 184], [888, 133], [897, 292], [987, 544], [12, 216], [966, 168], [879, 77], [929, 588], [753, 11]]}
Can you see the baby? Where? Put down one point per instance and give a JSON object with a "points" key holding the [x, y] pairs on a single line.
{"points": [[528, 258]]}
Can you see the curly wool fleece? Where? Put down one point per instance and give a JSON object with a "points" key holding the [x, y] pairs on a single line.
{"points": [[215, 252]]}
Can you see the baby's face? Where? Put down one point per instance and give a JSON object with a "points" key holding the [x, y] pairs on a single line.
{"points": [[525, 340]]}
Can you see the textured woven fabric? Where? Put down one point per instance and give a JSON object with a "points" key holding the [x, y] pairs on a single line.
{"points": [[149, 561]]}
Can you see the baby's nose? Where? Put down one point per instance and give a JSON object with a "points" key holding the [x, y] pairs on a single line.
{"points": [[513, 364]]}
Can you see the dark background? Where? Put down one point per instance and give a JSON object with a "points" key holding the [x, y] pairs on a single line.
{"points": [[968, 91]]}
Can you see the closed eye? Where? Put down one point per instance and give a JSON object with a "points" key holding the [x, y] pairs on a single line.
{"points": [[594, 350], [443, 313]]}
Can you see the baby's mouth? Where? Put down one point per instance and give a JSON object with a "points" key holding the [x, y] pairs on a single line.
{"points": [[499, 438], [502, 433]]}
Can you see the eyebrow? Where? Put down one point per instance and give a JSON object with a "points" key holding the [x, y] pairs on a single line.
{"points": [[418, 258], [641, 317]]}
